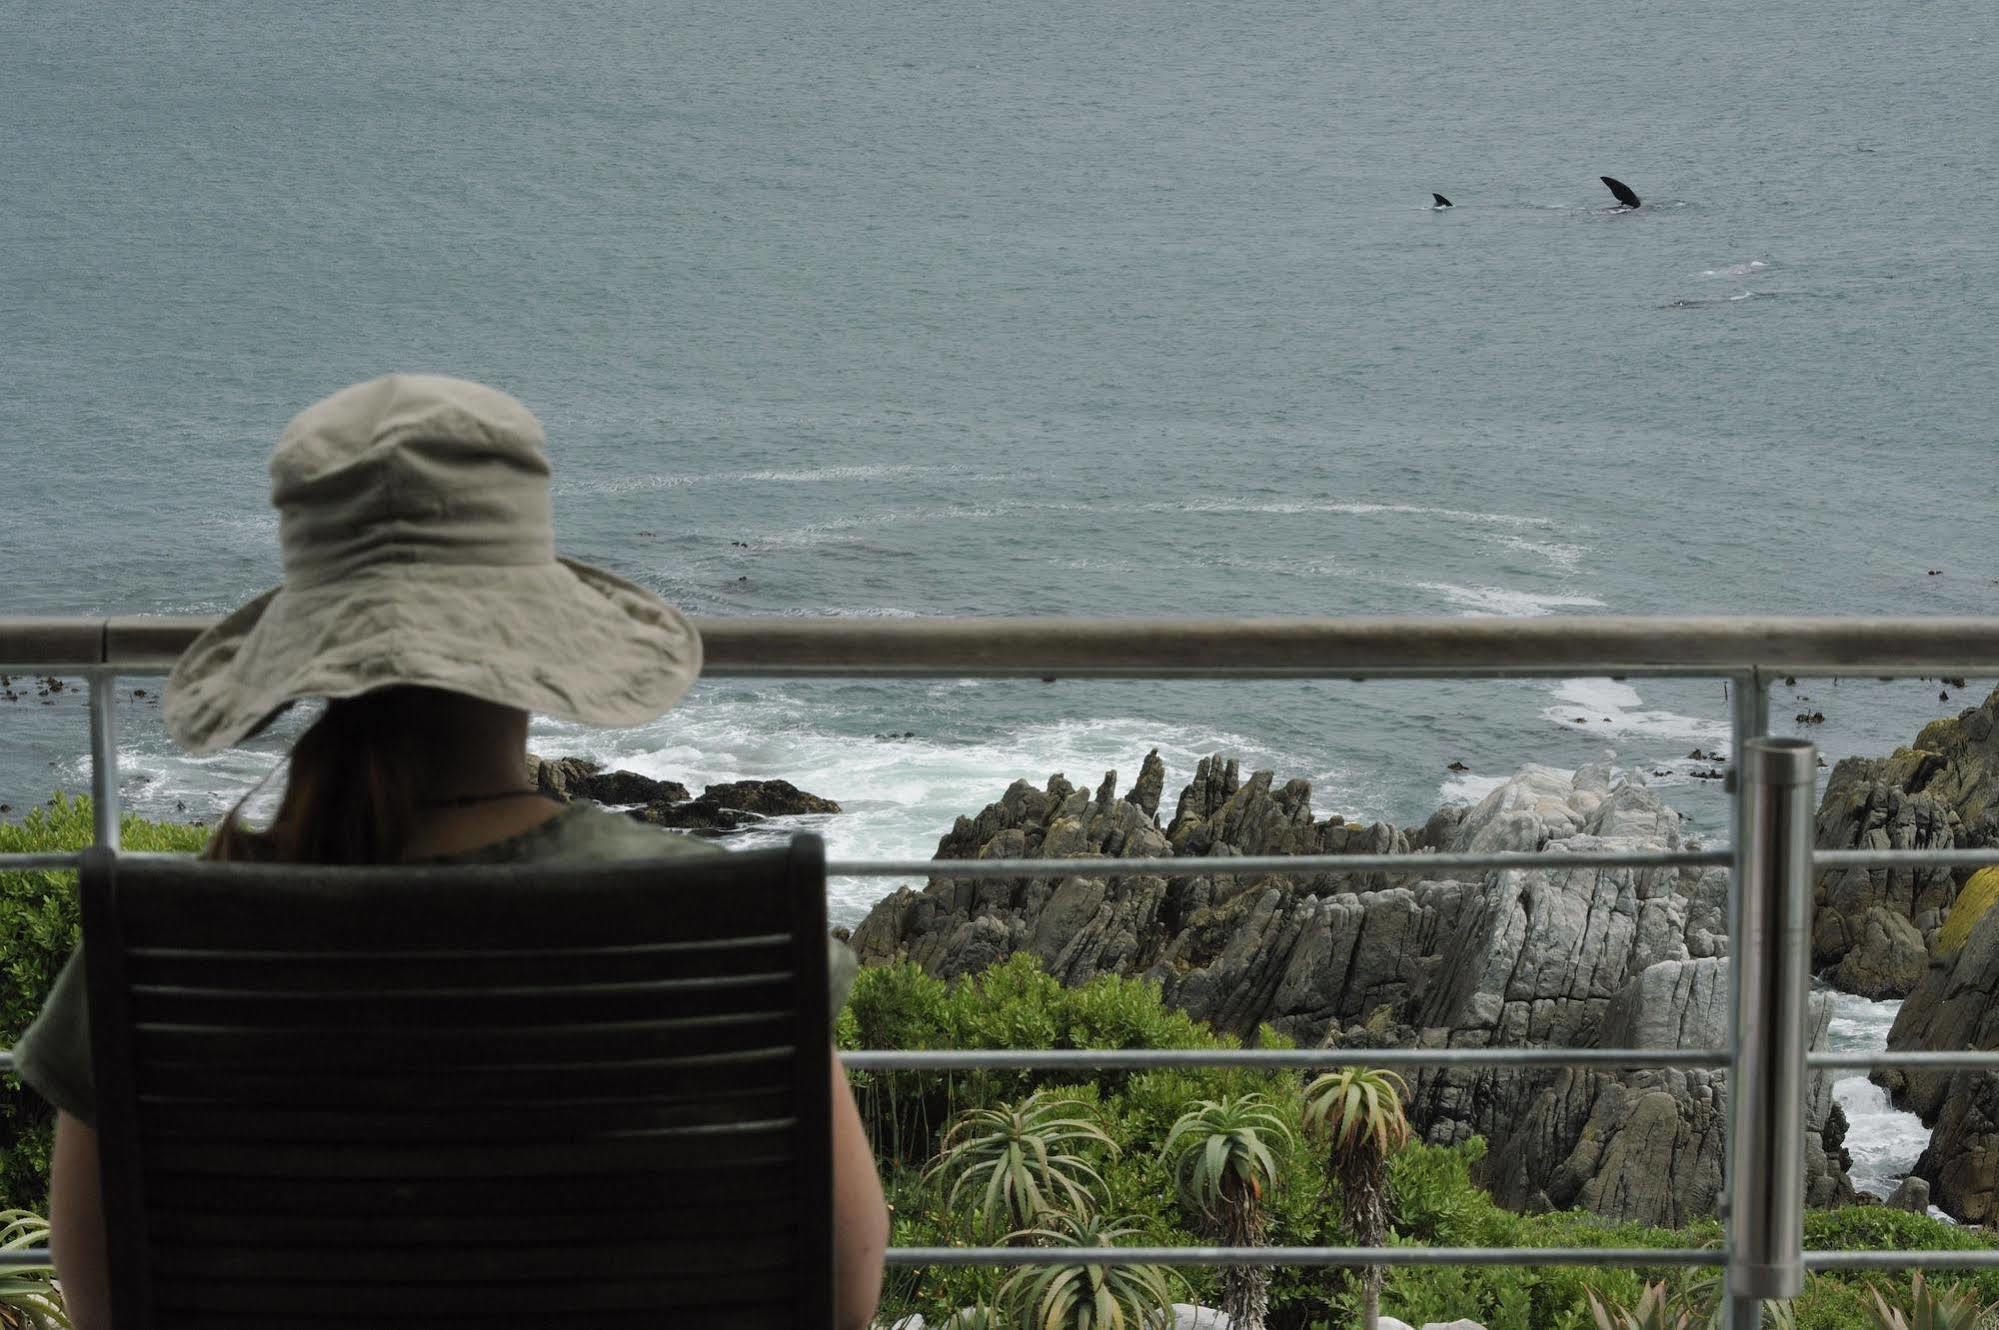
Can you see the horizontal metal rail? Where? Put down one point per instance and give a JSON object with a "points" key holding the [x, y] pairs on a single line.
{"points": [[1905, 858], [1745, 652], [1138, 1059], [1371, 647], [1210, 1257], [1218, 1256], [1414, 864], [16, 863], [1901, 1260], [1247, 864], [1940, 1060]]}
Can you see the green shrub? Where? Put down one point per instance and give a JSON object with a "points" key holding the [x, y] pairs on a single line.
{"points": [[38, 920]]}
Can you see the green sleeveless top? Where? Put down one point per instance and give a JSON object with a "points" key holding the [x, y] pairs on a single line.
{"points": [[53, 1056]]}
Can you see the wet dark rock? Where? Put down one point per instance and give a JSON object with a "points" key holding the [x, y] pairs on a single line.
{"points": [[720, 809], [568, 778], [627, 787], [1457, 766], [698, 816], [766, 798]]}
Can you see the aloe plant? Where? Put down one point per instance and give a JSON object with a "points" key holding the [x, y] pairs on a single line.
{"points": [[1021, 1160], [1703, 1299], [1222, 1162], [1086, 1297], [1360, 1110], [1655, 1311], [28, 1296], [1931, 1308]]}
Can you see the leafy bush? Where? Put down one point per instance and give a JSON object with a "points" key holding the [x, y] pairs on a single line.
{"points": [[1432, 1198], [38, 920]]}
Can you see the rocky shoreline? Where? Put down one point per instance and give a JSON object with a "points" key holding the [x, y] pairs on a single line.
{"points": [[1575, 958], [1583, 957], [1544, 958]]}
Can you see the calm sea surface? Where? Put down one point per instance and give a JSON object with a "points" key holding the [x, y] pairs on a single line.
{"points": [[1114, 309]]}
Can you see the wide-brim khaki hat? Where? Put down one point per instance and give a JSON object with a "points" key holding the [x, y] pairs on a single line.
{"points": [[419, 549]]}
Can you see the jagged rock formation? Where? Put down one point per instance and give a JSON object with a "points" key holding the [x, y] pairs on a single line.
{"points": [[1942, 791], [1565, 957], [1954, 1008]]}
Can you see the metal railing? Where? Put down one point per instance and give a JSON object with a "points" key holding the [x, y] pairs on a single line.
{"points": [[1771, 857]]}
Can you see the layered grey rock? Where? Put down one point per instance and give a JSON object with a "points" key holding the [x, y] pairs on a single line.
{"points": [[1941, 792], [1650, 1145], [1886, 958], [1566, 957], [1955, 1007]]}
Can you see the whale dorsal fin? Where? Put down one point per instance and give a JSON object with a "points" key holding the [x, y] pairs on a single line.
{"points": [[1621, 190], [1442, 202]]}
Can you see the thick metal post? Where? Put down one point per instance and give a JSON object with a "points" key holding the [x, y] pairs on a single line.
{"points": [[103, 758], [1749, 718], [1771, 957]]}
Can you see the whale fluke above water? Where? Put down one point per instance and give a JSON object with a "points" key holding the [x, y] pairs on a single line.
{"points": [[1621, 190], [1442, 202]]}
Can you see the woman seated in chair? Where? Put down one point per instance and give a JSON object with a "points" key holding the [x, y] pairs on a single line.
{"points": [[424, 599]]}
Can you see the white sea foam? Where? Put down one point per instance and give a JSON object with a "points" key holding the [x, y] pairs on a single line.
{"points": [[1290, 507], [1561, 554], [1506, 601], [1605, 706], [1469, 787], [847, 530], [1749, 269], [793, 476], [1883, 1140], [899, 795]]}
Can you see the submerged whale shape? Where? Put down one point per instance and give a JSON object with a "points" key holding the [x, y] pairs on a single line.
{"points": [[1621, 190], [1442, 202]]}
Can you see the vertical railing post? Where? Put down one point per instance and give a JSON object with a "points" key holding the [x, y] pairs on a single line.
{"points": [[103, 758], [1749, 718], [1771, 957]]}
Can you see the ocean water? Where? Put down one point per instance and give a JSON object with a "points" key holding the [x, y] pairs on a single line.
{"points": [[1883, 1141], [907, 310]]}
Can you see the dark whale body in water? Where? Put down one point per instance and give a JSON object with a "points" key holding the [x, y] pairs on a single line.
{"points": [[1621, 190], [1442, 202]]}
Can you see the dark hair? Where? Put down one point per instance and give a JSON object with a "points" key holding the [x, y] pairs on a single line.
{"points": [[349, 794]]}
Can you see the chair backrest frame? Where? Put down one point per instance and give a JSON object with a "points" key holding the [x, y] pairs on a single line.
{"points": [[688, 911]]}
